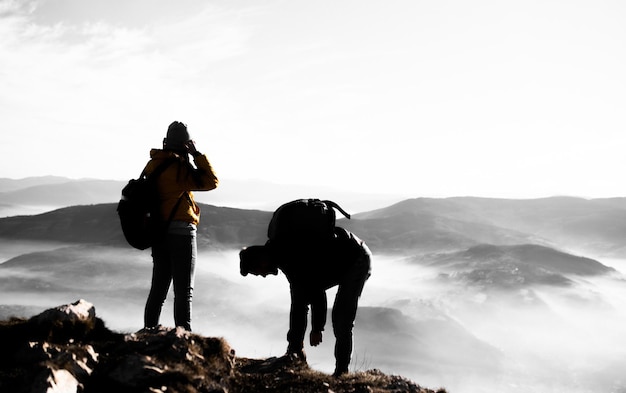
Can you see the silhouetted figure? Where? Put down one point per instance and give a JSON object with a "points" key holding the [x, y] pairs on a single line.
{"points": [[174, 256], [344, 261]]}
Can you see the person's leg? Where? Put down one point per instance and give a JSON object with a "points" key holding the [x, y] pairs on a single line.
{"points": [[298, 316], [161, 278], [344, 312], [184, 253]]}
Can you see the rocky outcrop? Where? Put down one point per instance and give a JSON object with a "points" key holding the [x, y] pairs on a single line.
{"points": [[68, 349]]}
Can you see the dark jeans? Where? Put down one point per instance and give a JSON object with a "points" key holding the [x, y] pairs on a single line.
{"points": [[344, 311], [345, 307], [174, 260]]}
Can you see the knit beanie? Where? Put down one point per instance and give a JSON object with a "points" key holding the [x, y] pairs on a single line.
{"points": [[177, 136]]}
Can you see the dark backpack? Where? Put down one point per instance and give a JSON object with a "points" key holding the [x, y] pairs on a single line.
{"points": [[303, 221], [139, 208]]}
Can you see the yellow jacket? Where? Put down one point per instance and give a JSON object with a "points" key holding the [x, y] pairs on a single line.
{"points": [[178, 178]]}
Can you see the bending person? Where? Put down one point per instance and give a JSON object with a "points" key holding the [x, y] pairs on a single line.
{"points": [[344, 262]]}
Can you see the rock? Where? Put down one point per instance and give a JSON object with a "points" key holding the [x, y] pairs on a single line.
{"points": [[66, 322], [135, 371], [55, 381], [79, 311], [274, 365], [67, 349]]}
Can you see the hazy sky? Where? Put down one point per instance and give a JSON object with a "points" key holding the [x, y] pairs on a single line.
{"points": [[422, 97]]}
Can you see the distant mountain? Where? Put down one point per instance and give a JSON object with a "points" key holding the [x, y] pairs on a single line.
{"points": [[8, 185], [421, 225], [585, 225], [221, 226], [426, 224], [515, 266], [77, 224], [68, 193], [35, 195], [455, 239], [597, 226], [40, 194]]}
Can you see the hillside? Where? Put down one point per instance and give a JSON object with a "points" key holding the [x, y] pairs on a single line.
{"points": [[594, 226], [419, 225], [421, 231], [222, 226], [518, 266], [69, 349], [586, 225]]}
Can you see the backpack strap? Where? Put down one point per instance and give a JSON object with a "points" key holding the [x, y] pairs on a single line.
{"points": [[155, 174], [185, 194], [173, 212], [159, 169], [336, 206]]}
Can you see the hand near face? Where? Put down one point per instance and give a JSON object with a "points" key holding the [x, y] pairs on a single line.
{"points": [[191, 147]]}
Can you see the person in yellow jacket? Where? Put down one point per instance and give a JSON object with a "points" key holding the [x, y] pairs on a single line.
{"points": [[174, 256]]}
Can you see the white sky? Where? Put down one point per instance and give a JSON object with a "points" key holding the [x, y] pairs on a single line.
{"points": [[423, 97]]}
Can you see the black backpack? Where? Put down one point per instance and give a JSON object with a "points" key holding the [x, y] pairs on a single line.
{"points": [[303, 221], [139, 208]]}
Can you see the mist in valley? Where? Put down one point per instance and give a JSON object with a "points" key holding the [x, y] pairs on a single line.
{"points": [[414, 319]]}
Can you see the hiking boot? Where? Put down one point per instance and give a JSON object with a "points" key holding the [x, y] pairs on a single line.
{"points": [[339, 372], [151, 329], [297, 355]]}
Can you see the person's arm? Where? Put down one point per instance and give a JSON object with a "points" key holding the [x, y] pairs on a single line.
{"points": [[207, 180], [319, 307]]}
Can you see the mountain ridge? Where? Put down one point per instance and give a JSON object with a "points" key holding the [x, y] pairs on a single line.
{"points": [[226, 227], [41, 194], [414, 225], [582, 225]]}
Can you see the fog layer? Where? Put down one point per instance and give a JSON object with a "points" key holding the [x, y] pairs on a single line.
{"points": [[414, 320]]}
